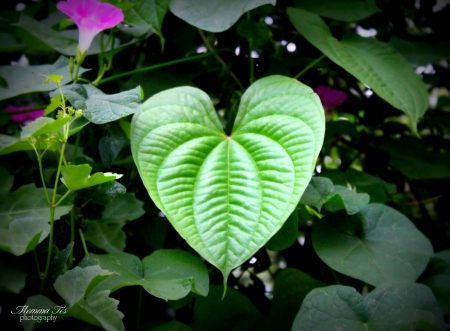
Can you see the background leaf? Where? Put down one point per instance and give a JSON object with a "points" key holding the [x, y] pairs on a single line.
{"points": [[286, 236], [166, 274], [214, 16], [373, 62], [342, 10], [379, 239], [392, 306], [437, 278], [12, 277]]}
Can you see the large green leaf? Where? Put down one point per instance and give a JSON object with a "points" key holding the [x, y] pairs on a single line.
{"points": [[76, 177], [373, 62], [438, 279], [23, 234], [166, 274], [390, 307], [227, 195], [377, 245], [321, 191], [286, 236], [100, 108], [214, 16], [12, 277], [344, 10], [29, 201], [107, 233], [27, 79]]}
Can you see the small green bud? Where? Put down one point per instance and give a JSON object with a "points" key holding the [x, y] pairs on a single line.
{"points": [[71, 65], [70, 111], [78, 113], [50, 140], [60, 114]]}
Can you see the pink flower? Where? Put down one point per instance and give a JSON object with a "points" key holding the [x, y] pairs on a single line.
{"points": [[24, 118], [330, 98], [91, 17]]}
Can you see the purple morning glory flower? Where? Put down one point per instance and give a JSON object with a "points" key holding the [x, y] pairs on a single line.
{"points": [[91, 17], [330, 98], [24, 118]]}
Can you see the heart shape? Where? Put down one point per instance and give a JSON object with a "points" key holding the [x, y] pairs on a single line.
{"points": [[228, 195]]}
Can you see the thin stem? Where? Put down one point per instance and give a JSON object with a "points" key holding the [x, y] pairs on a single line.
{"points": [[63, 197], [50, 245], [309, 66], [42, 178], [312, 211], [83, 242], [252, 69], [139, 308], [72, 236], [217, 56], [37, 262], [157, 66]]}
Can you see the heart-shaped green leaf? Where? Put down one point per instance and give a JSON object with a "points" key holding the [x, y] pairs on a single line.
{"points": [[227, 195], [391, 306]]}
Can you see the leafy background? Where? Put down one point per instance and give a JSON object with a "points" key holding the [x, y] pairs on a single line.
{"points": [[372, 224]]}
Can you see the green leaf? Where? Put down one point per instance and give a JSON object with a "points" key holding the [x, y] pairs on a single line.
{"points": [[166, 274], [291, 287], [391, 306], [257, 34], [12, 277], [379, 239], [438, 279], [227, 195], [100, 108], [104, 193], [28, 79], [147, 13], [110, 145], [55, 102], [96, 308], [416, 52], [342, 10], [59, 263], [415, 161], [29, 201], [172, 326], [76, 177], [286, 236], [214, 16], [373, 62], [6, 181], [40, 302], [23, 234], [10, 43], [321, 191], [235, 312], [43, 125], [107, 233]]}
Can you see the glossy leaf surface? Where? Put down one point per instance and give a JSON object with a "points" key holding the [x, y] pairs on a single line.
{"points": [[166, 274], [214, 16], [373, 62], [379, 239], [227, 195], [392, 306]]}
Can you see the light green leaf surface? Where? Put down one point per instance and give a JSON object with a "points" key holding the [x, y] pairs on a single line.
{"points": [[390, 307], [28, 79], [227, 195], [147, 13], [166, 274], [377, 245], [12, 276], [23, 234], [100, 108], [107, 233], [214, 16], [76, 177], [55, 102], [321, 191], [373, 62], [29, 201], [437, 278], [43, 125], [342, 10], [76, 286]]}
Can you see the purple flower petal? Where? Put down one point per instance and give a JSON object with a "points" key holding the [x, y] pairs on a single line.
{"points": [[24, 118], [330, 98], [91, 17]]}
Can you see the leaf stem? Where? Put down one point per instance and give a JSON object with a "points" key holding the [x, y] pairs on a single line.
{"points": [[63, 197], [72, 236], [83, 241], [309, 66], [75, 149], [221, 61], [37, 262], [158, 66], [41, 172]]}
